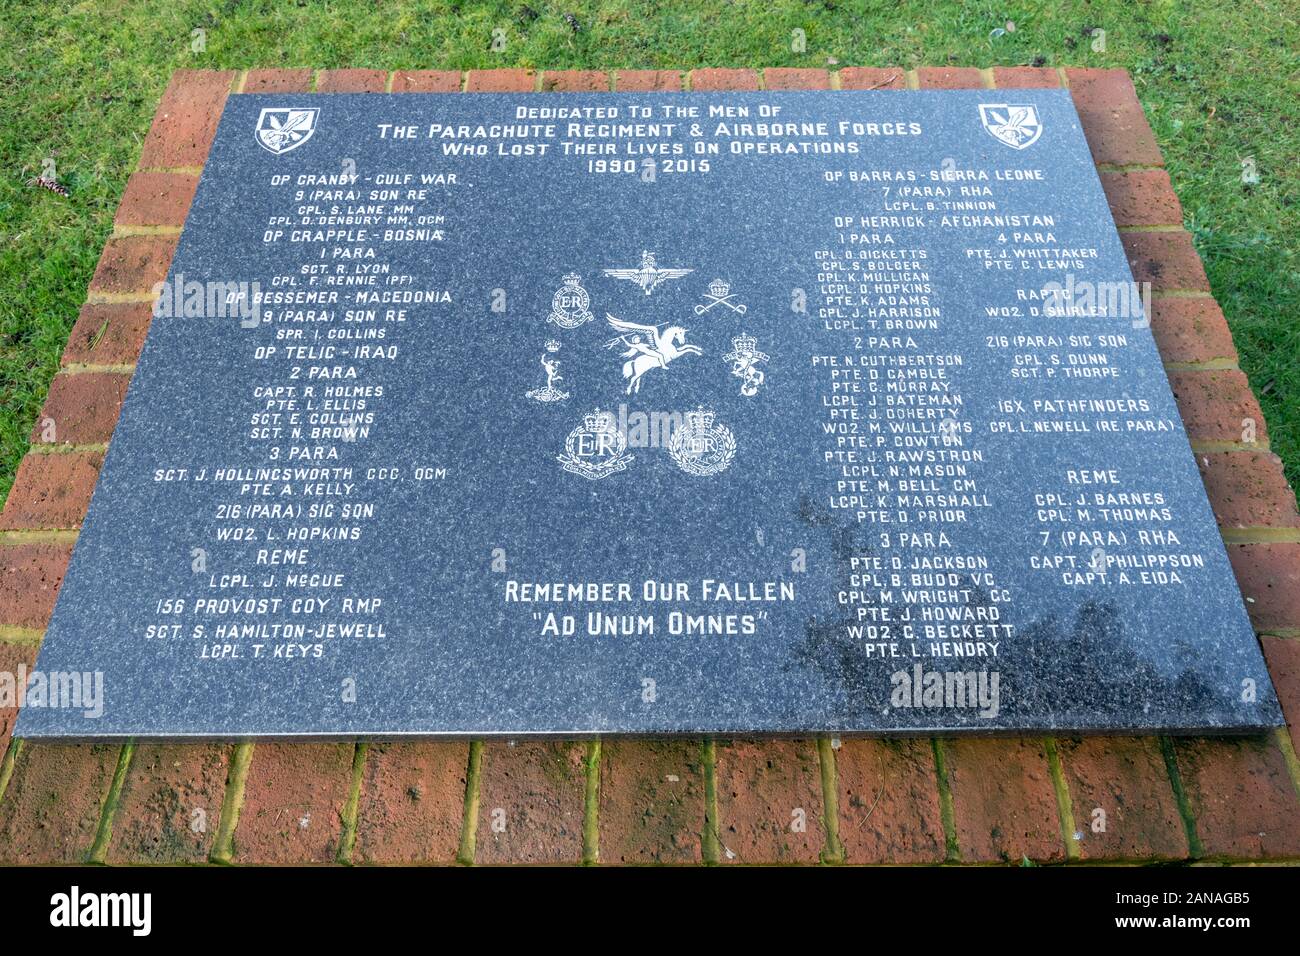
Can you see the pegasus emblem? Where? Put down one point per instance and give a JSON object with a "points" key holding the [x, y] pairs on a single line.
{"points": [[646, 347]]}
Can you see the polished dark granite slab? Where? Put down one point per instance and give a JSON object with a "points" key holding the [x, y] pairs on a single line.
{"points": [[677, 420]]}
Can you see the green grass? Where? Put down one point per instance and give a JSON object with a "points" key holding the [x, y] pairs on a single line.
{"points": [[79, 84]]}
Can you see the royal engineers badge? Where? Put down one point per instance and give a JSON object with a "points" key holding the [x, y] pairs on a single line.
{"points": [[595, 448], [569, 305], [702, 446]]}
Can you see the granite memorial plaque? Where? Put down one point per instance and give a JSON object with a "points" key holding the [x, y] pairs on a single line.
{"points": [[699, 413]]}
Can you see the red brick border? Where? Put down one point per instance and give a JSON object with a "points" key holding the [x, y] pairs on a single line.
{"points": [[680, 801]]}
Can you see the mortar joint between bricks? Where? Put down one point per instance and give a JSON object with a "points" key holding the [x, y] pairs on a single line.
{"points": [[7, 762], [1260, 535], [21, 536], [348, 836], [1289, 756], [833, 852], [469, 814], [232, 802], [176, 170], [128, 232], [1064, 802], [21, 636], [108, 811], [591, 804], [56, 448]]}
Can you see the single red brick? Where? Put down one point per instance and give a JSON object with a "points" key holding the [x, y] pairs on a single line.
{"points": [[352, 81], [1112, 118], [1143, 197], [531, 802], [1167, 260], [501, 81], [1191, 330], [12, 657], [51, 809], [770, 803], [950, 78], [784, 78], [81, 408], [51, 490], [1218, 405], [1124, 805], [294, 798], [1241, 796], [1025, 77], [1269, 578], [108, 333], [648, 81], [133, 264], [872, 78], [426, 81], [156, 199], [723, 79], [1248, 489], [1283, 657], [30, 575], [1004, 801], [187, 118], [170, 803], [575, 81], [889, 802], [651, 801], [277, 81], [412, 803]]}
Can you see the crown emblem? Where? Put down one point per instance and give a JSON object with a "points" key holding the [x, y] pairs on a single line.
{"points": [[745, 358], [699, 420], [595, 449], [598, 421], [552, 345], [569, 305], [719, 293], [702, 446]]}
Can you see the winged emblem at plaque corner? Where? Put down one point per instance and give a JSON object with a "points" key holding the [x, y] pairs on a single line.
{"points": [[281, 129], [1012, 124]]}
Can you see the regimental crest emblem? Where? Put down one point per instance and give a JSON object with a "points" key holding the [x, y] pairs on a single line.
{"points": [[744, 358], [720, 294], [282, 129], [595, 449], [569, 305], [702, 446], [550, 392], [646, 347], [1012, 124], [649, 275]]}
